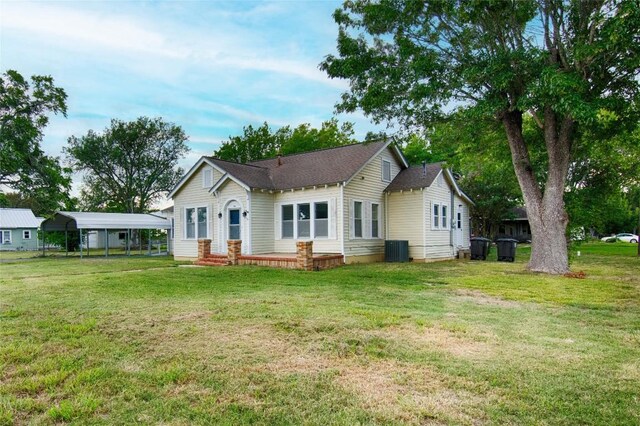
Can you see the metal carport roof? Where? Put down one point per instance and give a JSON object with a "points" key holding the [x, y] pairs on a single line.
{"points": [[72, 221]]}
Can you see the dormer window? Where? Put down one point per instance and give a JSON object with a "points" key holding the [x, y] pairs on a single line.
{"points": [[386, 171]]}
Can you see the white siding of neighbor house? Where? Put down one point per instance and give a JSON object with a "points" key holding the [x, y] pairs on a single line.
{"points": [[229, 192], [191, 194], [261, 217], [331, 194], [367, 186], [405, 212], [437, 241]]}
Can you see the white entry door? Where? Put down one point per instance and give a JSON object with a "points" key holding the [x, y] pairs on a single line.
{"points": [[458, 225]]}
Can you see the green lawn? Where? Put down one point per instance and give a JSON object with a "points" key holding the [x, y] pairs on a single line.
{"points": [[140, 340]]}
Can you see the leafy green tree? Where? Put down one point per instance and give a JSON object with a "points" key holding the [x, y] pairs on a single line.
{"points": [[40, 203], [263, 142], [305, 138], [561, 62], [469, 148], [254, 144], [24, 167], [130, 165], [601, 182]]}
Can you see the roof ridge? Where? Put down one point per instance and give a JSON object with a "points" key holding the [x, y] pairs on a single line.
{"points": [[236, 163], [321, 149]]}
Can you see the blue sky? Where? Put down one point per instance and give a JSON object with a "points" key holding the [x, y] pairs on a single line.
{"points": [[211, 67]]}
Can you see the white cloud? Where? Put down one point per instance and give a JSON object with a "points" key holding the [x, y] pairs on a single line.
{"points": [[122, 36], [110, 31]]}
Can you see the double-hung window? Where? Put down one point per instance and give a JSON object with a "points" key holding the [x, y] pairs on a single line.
{"points": [[304, 220], [6, 237], [375, 221], [444, 217], [287, 221], [26, 234], [440, 216], [357, 219], [202, 222], [196, 223], [321, 220]]}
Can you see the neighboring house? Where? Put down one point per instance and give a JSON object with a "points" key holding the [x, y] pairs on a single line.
{"points": [[18, 229], [348, 200], [517, 226], [117, 239]]}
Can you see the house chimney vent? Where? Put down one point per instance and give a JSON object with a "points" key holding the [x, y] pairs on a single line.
{"points": [[279, 160], [424, 168]]}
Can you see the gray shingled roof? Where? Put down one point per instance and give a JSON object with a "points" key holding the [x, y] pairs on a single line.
{"points": [[519, 213], [314, 168], [415, 177], [252, 176]]}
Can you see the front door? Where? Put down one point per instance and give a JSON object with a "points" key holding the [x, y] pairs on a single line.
{"points": [[234, 224], [458, 225]]}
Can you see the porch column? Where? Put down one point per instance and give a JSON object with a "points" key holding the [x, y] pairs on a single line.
{"points": [[204, 248], [234, 248], [304, 255]]}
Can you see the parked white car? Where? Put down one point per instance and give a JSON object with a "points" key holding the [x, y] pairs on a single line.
{"points": [[624, 237]]}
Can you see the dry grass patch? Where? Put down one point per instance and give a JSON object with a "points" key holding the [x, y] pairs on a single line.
{"points": [[480, 298]]}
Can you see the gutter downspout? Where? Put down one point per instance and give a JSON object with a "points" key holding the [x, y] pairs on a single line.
{"points": [[451, 222], [342, 222]]}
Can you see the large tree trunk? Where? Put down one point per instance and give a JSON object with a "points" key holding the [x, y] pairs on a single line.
{"points": [[546, 212]]}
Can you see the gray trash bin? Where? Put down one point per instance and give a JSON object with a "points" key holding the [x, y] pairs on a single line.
{"points": [[480, 248], [506, 249]]}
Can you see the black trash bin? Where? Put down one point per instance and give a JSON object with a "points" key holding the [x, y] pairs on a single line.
{"points": [[480, 248], [506, 249]]}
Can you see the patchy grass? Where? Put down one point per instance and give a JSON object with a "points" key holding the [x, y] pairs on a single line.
{"points": [[137, 340]]}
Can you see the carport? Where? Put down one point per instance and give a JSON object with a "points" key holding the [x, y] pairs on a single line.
{"points": [[83, 222]]}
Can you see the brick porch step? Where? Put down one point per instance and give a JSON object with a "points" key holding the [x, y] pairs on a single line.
{"points": [[213, 260]]}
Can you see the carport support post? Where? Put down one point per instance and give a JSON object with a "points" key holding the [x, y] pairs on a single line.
{"points": [[81, 245], [140, 238], [149, 242], [66, 239], [43, 233], [106, 243]]}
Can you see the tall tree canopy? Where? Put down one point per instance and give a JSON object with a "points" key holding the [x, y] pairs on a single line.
{"points": [[130, 165], [24, 167], [468, 146], [263, 142], [562, 62]]}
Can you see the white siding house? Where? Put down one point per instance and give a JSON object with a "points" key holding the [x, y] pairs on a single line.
{"points": [[348, 200]]}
